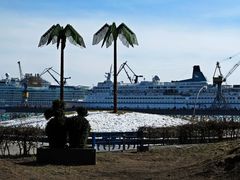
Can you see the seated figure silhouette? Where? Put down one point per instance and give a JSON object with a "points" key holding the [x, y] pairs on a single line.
{"points": [[78, 129]]}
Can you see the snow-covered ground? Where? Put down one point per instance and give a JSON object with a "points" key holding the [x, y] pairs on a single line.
{"points": [[103, 121]]}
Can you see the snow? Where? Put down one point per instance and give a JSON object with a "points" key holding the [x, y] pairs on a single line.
{"points": [[104, 121]]}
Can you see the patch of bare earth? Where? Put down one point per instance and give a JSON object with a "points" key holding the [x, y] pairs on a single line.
{"points": [[205, 161]]}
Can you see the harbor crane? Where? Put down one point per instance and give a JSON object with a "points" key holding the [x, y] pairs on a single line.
{"points": [[20, 70], [220, 101], [25, 93], [135, 76], [109, 74], [48, 70]]}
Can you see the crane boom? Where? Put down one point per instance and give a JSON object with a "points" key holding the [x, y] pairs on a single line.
{"points": [[47, 70], [20, 70], [53, 77], [123, 67], [231, 71], [135, 78], [220, 100]]}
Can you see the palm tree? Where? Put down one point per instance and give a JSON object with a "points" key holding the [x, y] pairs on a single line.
{"points": [[110, 34], [58, 34]]}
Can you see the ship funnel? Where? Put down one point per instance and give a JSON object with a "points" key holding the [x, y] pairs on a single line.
{"points": [[197, 74]]}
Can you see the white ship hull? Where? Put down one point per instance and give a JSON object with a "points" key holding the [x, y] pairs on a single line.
{"points": [[194, 93], [37, 93]]}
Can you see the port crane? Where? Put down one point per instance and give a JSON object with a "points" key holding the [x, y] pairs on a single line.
{"points": [[108, 75], [50, 71], [135, 76], [220, 101], [25, 93], [20, 70]]}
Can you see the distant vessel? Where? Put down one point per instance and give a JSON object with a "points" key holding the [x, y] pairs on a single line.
{"points": [[193, 93], [33, 91]]}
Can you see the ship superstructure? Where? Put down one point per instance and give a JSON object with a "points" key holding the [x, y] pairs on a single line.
{"points": [[33, 91], [193, 93]]}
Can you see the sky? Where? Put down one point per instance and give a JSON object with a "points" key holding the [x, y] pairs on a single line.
{"points": [[173, 36]]}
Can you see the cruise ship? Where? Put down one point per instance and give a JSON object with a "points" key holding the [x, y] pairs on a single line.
{"points": [[193, 93], [33, 91]]}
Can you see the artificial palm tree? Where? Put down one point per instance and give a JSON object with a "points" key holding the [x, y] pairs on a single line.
{"points": [[110, 34], [58, 34]]}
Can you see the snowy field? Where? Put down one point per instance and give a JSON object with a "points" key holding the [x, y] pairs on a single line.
{"points": [[103, 121]]}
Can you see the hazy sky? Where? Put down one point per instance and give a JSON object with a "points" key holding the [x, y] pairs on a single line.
{"points": [[173, 36]]}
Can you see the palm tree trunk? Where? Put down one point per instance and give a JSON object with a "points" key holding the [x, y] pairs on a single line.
{"points": [[115, 78], [62, 72]]}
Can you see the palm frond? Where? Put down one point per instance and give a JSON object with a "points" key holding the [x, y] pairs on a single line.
{"points": [[52, 35], [127, 36], [58, 40], [110, 33], [56, 35], [45, 37], [107, 38], [73, 36], [54, 40], [100, 34], [124, 40]]}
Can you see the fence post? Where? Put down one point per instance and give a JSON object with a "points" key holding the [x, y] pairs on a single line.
{"points": [[140, 139], [124, 135], [93, 139], [109, 141], [141, 147], [25, 145]]}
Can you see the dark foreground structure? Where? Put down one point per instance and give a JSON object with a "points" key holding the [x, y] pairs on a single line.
{"points": [[78, 156]]}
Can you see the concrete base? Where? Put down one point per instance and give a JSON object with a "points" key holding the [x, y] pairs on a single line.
{"points": [[76, 156], [142, 148]]}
